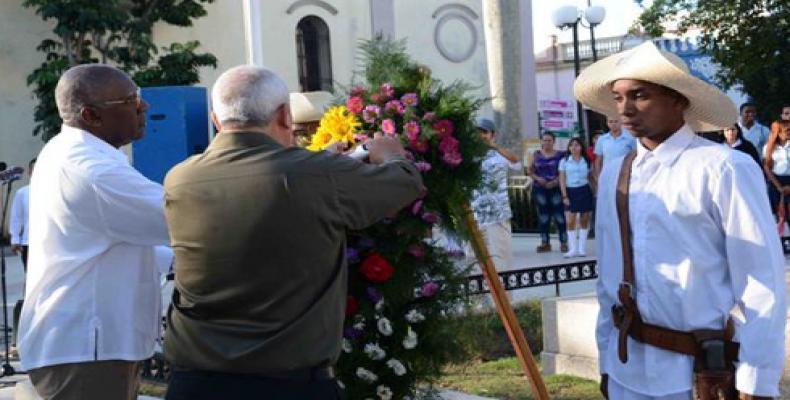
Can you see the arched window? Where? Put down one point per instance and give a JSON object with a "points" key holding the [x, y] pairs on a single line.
{"points": [[313, 54]]}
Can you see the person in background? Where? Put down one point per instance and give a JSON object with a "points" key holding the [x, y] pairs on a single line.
{"points": [[785, 115], [733, 137], [490, 202], [306, 110], [777, 167], [616, 143], [752, 130], [577, 195], [19, 223], [544, 171], [590, 151]]}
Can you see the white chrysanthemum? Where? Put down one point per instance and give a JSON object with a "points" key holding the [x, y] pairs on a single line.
{"points": [[374, 351], [379, 305], [397, 367], [340, 384], [366, 375], [385, 326], [346, 346], [410, 341], [414, 317], [384, 392]]}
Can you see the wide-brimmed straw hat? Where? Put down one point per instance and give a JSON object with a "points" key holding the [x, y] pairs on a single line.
{"points": [[309, 106], [709, 108]]}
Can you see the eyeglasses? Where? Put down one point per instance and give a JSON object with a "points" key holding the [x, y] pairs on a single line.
{"points": [[137, 99]]}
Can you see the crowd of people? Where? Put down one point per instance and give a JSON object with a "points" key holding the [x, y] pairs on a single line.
{"points": [[684, 236]]}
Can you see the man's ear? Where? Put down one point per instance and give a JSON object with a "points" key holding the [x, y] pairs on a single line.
{"points": [[89, 116], [286, 121], [215, 121]]}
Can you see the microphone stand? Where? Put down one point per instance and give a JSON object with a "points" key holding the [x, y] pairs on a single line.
{"points": [[7, 368]]}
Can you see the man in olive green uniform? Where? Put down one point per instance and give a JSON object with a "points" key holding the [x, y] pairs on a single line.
{"points": [[259, 232]]}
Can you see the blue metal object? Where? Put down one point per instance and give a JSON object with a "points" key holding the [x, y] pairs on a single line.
{"points": [[177, 126]]}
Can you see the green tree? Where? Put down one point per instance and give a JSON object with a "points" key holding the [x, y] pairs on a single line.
{"points": [[750, 39], [118, 32]]}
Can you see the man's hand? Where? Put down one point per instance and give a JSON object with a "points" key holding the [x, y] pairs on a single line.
{"points": [[336, 147], [383, 148], [16, 249], [604, 386], [785, 190]]}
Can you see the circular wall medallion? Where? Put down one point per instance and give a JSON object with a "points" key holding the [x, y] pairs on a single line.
{"points": [[455, 36]]}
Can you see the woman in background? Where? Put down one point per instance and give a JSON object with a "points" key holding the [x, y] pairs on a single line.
{"points": [[544, 170], [577, 195]]}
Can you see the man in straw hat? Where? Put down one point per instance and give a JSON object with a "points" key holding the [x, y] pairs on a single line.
{"points": [[700, 242], [306, 110]]}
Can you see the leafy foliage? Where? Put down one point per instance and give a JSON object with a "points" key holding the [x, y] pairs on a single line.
{"points": [[749, 38], [402, 286], [112, 31]]}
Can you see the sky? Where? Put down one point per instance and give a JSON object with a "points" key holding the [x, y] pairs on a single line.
{"points": [[620, 15]]}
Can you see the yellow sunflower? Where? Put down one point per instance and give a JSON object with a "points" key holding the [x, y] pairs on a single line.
{"points": [[337, 125]]}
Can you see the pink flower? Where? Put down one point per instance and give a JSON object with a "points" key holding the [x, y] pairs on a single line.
{"points": [[429, 289], [452, 159], [448, 144], [429, 116], [370, 113], [419, 146], [387, 90], [430, 217], [412, 129], [355, 104], [422, 166], [416, 207], [409, 99], [377, 98], [416, 250], [395, 106], [388, 126], [444, 127], [358, 91]]}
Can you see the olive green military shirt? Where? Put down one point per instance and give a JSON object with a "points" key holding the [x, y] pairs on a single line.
{"points": [[259, 234]]}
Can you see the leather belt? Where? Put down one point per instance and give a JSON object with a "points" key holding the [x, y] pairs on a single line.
{"points": [[312, 374], [673, 340]]}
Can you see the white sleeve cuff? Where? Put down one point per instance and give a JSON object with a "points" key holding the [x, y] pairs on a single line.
{"points": [[757, 381], [16, 240], [163, 257]]}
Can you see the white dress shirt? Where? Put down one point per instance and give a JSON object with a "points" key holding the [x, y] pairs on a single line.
{"points": [[704, 242], [781, 158], [93, 273], [757, 135], [19, 223]]}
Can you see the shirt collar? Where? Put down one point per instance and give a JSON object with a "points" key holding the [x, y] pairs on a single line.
{"points": [[93, 141], [667, 152], [242, 139]]}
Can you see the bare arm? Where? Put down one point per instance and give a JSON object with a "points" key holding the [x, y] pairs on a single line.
{"points": [[509, 155]]}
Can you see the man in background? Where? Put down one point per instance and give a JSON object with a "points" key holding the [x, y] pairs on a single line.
{"points": [[19, 223], [613, 144], [752, 130]]}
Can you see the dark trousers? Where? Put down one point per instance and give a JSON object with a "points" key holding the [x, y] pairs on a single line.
{"points": [[205, 385], [550, 208], [24, 258]]}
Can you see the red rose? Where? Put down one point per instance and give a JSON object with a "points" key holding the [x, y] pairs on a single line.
{"points": [[376, 268], [352, 305]]}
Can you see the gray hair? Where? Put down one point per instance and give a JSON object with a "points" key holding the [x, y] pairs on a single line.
{"points": [[248, 94], [82, 86]]}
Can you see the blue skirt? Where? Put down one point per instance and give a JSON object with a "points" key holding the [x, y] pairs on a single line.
{"points": [[581, 199]]}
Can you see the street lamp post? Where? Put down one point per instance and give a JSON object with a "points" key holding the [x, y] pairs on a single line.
{"points": [[570, 17]]}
